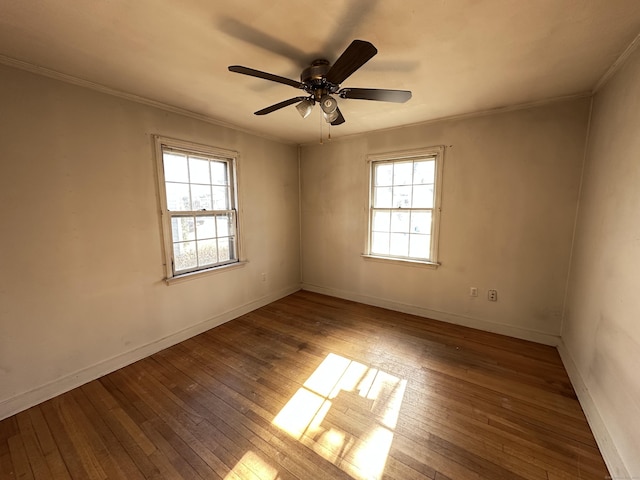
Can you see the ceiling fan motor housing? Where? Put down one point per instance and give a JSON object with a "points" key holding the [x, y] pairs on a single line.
{"points": [[315, 81], [316, 72]]}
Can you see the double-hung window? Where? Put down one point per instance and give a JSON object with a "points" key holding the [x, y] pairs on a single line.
{"points": [[404, 206], [199, 206]]}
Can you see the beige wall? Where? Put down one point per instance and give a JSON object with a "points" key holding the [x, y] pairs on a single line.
{"points": [[510, 192], [601, 332], [81, 288]]}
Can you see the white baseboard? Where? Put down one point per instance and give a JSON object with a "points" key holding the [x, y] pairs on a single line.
{"points": [[616, 466], [480, 324], [25, 400]]}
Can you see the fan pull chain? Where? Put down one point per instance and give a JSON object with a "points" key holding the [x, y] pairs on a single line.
{"points": [[321, 128]]}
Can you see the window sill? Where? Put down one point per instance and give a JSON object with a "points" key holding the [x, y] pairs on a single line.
{"points": [[401, 261], [204, 273]]}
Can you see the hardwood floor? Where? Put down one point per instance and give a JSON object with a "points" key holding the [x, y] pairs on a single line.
{"points": [[314, 387]]}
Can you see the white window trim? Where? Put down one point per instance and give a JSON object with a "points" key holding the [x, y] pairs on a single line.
{"points": [[206, 150], [183, 277], [437, 151]]}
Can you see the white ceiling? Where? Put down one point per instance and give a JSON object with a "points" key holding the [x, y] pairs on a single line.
{"points": [[456, 56]]}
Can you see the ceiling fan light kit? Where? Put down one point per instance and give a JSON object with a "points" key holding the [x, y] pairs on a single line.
{"points": [[328, 104], [330, 117], [329, 107], [321, 79], [304, 107]]}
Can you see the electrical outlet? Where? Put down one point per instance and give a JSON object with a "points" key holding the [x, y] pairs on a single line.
{"points": [[263, 277], [473, 292], [493, 295]]}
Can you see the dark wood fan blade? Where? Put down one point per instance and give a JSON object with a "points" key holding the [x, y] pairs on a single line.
{"points": [[355, 56], [267, 76], [280, 105], [340, 120], [381, 95]]}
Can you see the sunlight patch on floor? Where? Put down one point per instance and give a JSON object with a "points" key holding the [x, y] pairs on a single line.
{"points": [[346, 412], [252, 467]]}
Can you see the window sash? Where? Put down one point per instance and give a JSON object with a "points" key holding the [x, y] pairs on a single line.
{"points": [[419, 253], [202, 240]]}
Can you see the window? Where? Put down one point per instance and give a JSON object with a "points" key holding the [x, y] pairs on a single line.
{"points": [[404, 207], [199, 206]]}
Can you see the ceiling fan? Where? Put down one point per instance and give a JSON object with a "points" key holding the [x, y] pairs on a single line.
{"points": [[321, 80]]}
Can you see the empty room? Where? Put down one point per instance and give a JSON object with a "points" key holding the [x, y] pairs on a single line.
{"points": [[354, 239]]}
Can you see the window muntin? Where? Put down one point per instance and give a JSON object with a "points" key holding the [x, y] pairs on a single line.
{"points": [[404, 206], [198, 189]]}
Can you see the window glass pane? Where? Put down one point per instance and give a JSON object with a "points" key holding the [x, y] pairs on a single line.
{"points": [[402, 173], [205, 227], [380, 243], [207, 252], [223, 222], [400, 222], [175, 167], [402, 197], [383, 174], [199, 170], [219, 173], [201, 197], [184, 255], [424, 171], [399, 244], [419, 246], [381, 221], [220, 198], [423, 196], [178, 197], [182, 229], [382, 197], [421, 222], [224, 249]]}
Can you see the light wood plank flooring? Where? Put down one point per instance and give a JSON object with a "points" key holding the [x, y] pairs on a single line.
{"points": [[314, 387]]}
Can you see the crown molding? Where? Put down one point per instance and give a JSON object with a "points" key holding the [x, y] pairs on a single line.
{"points": [[464, 116], [63, 77], [617, 65]]}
